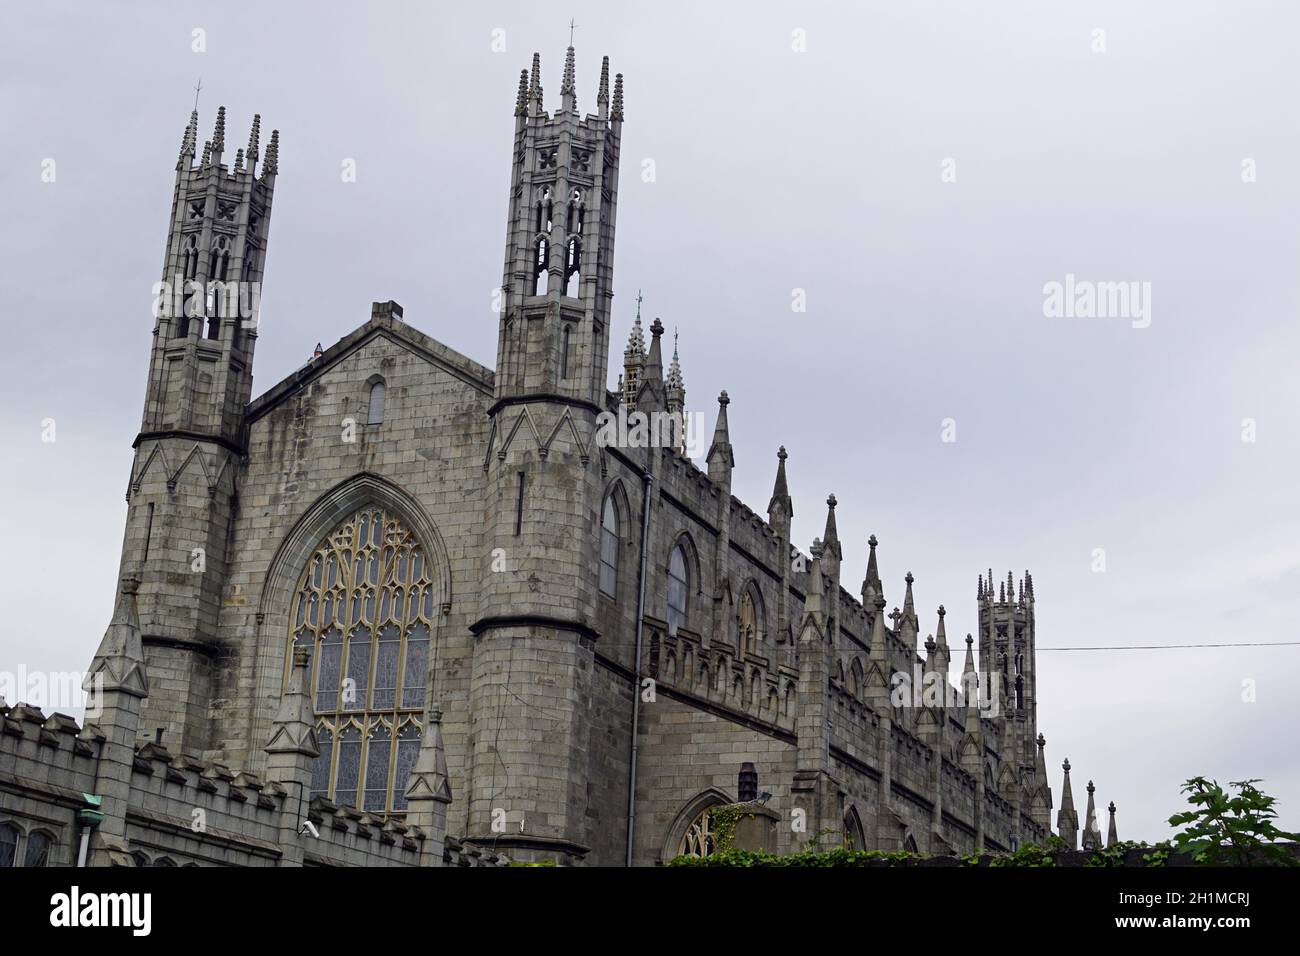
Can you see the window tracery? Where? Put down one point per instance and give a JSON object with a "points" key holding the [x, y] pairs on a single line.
{"points": [[365, 609]]}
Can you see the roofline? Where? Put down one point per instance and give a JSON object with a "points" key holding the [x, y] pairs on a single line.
{"points": [[389, 327]]}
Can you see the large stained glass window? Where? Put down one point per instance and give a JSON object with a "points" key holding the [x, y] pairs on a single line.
{"points": [[365, 609]]}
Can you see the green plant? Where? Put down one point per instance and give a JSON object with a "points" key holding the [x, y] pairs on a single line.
{"points": [[1158, 855], [1112, 855], [1223, 830]]}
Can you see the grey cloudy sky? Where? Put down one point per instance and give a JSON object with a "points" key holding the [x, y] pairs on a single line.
{"points": [[775, 170]]}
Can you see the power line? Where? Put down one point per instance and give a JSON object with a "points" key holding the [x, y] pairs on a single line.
{"points": [[1167, 647]]}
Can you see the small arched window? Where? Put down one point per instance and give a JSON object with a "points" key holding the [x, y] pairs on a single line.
{"points": [[375, 414], [677, 571], [8, 844], [540, 266], [609, 542], [750, 632], [37, 852]]}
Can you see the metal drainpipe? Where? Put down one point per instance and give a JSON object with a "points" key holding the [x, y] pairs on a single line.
{"points": [[636, 686]]}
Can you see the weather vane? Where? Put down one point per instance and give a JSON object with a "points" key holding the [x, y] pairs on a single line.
{"points": [[198, 86]]}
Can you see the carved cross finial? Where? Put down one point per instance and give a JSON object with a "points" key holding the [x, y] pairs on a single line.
{"points": [[572, 26]]}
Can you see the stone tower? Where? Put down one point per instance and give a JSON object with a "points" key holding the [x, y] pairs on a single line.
{"points": [[1006, 647], [533, 656], [183, 495]]}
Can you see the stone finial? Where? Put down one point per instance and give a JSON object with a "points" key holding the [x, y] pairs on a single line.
{"points": [[521, 98], [207, 154], [294, 729], [535, 84], [969, 641], [272, 165], [219, 133], [780, 507], [118, 664], [617, 112], [602, 96], [720, 457], [831, 536], [239, 160], [429, 779], [568, 92], [254, 141], [189, 140], [675, 369]]}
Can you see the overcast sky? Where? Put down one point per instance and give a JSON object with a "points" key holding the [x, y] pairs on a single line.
{"points": [[775, 169]]}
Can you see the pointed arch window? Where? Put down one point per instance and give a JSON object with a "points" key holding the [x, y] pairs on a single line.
{"points": [[364, 607], [609, 546], [543, 248], [751, 626], [375, 409], [699, 839], [678, 570], [8, 844]]}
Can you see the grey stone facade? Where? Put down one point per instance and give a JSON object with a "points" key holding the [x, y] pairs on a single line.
{"points": [[535, 684]]}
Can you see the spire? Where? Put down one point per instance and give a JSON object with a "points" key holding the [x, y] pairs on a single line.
{"points": [[602, 97], [189, 141], [521, 98], [254, 142], [654, 363], [879, 647], [780, 507], [909, 606], [831, 537], [535, 85], [636, 341], [118, 664], [219, 134], [294, 730], [871, 587], [568, 95], [720, 458], [812, 604], [1112, 836], [272, 165], [675, 368], [941, 633], [1040, 761], [1091, 832], [429, 779], [972, 757], [617, 112], [1067, 821]]}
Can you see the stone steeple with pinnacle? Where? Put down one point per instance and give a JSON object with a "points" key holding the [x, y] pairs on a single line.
{"points": [[184, 482], [557, 282], [544, 460], [1091, 831], [1067, 820]]}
